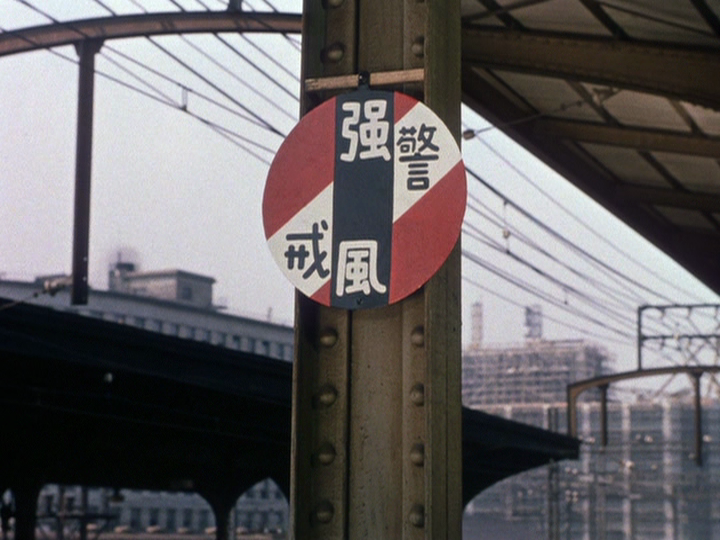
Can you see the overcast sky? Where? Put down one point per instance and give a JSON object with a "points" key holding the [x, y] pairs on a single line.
{"points": [[170, 192]]}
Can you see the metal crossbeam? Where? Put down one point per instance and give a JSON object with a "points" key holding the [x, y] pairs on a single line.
{"points": [[151, 24], [651, 140], [673, 71]]}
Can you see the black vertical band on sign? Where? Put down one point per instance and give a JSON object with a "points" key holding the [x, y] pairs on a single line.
{"points": [[362, 200]]}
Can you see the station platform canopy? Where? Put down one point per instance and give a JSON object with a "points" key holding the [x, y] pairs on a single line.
{"points": [[621, 97]]}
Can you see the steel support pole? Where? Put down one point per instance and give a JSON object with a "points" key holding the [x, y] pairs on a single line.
{"points": [[376, 450], [26, 496], [698, 418], [86, 50], [603, 415]]}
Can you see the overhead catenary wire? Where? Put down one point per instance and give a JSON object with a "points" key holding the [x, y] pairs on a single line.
{"points": [[263, 52], [290, 39], [563, 304], [632, 286], [502, 249], [199, 75], [246, 59], [585, 331], [217, 88], [234, 75], [581, 296], [597, 305], [224, 132], [189, 89], [524, 286], [582, 222], [179, 6], [610, 269], [619, 279], [563, 285], [619, 297], [615, 277]]}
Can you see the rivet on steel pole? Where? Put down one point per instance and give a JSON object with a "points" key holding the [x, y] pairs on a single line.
{"points": [[86, 50]]}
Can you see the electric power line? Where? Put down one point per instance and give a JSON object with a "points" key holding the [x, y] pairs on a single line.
{"points": [[564, 240], [619, 298], [509, 300], [582, 223], [226, 133], [522, 285]]}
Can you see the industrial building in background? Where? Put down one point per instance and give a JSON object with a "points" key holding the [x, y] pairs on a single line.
{"points": [[644, 484]]}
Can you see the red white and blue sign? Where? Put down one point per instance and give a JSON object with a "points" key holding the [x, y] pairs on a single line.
{"points": [[365, 199]]}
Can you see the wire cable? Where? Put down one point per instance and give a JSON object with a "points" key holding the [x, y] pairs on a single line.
{"points": [[197, 74], [582, 223], [479, 236], [566, 288], [193, 91], [564, 240], [226, 133], [620, 300], [522, 285], [509, 300]]}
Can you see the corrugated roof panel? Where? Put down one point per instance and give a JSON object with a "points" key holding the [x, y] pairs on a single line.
{"points": [[644, 110], [627, 165], [550, 96], [696, 173], [558, 16], [661, 20], [686, 218], [707, 120]]}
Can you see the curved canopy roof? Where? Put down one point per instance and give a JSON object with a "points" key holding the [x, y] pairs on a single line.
{"points": [[622, 97]]}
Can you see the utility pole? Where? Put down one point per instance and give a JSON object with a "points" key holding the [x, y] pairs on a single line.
{"points": [[376, 449], [86, 49]]}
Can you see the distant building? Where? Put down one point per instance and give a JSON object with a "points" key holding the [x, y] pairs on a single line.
{"points": [[262, 508], [172, 302], [178, 303], [643, 484], [176, 285], [535, 372]]}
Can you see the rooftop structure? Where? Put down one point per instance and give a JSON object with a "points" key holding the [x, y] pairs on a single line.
{"points": [[176, 285], [172, 302]]}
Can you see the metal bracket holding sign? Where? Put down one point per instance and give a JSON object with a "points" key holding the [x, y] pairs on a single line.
{"points": [[365, 199]]}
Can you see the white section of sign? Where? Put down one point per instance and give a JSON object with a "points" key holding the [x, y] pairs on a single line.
{"points": [[303, 246], [425, 151]]}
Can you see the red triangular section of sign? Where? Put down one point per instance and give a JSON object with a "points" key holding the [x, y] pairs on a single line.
{"points": [[322, 295], [402, 105], [424, 236], [296, 177]]}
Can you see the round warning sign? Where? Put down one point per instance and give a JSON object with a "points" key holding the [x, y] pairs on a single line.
{"points": [[365, 199]]}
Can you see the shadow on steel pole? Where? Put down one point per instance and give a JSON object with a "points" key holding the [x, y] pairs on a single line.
{"points": [[86, 50]]}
